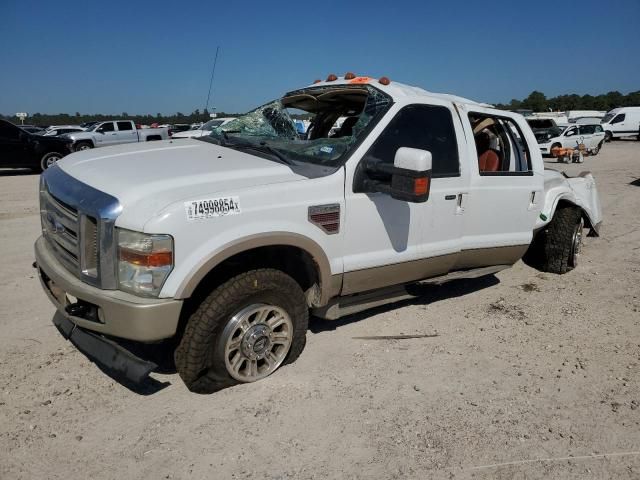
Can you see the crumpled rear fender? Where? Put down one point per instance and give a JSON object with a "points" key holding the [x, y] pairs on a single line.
{"points": [[580, 191]]}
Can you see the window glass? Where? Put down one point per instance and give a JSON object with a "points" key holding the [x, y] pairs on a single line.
{"points": [[500, 145], [426, 127], [125, 126], [619, 118], [598, 129], [571, 131], [106, 127], [9, 132], [587, 130]]}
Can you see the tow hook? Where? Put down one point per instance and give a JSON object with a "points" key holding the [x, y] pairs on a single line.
{"points": [[76, 310]]}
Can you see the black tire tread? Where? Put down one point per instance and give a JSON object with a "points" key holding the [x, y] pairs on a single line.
{"points": [[194, 356], [551, 249]]}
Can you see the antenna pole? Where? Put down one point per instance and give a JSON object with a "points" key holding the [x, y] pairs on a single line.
{"points": [[213, 72]]}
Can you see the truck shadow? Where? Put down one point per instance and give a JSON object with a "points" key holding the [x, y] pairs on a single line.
{"points": [[425, 295], [162, 354], [16, 172]]}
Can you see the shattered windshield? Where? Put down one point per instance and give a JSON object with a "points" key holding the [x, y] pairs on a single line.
{"points": [[313, 125]]}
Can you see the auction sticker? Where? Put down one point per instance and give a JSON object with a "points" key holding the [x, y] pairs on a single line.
{"points": [[212, 207]]}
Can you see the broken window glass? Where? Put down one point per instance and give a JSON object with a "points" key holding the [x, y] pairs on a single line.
{"points": [[337, 117]]}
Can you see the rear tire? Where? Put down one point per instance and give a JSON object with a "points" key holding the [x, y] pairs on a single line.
{"points": [[557, 247], [243, 331], [608, 136]]}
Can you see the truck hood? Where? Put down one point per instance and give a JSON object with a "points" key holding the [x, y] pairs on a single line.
{"points": [[153, 175]]}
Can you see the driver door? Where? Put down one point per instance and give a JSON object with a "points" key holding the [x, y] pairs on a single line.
{"points": [[106, 134], [389, 241]]}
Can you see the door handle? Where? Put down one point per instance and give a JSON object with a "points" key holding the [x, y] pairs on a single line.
{"points": [[450, 197]]}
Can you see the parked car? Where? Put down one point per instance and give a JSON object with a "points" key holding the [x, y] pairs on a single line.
{"points": [[21, 149], [621, 122], [204, 129], [55, 130], [592, 136], [104, 134], [32, 129], [224, 244], [178, 127]]}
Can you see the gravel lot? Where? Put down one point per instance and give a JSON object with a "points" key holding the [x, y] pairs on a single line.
{"points": [[526, 366]]}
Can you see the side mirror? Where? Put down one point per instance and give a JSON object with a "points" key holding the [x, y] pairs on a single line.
{"points": [[410, 176]]}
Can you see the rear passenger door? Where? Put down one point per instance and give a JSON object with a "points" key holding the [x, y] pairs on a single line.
{"points": [[504, 202], [126, 132], [586, 133]]}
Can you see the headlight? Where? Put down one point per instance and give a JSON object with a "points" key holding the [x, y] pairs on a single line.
{"points": [[144, 262]]}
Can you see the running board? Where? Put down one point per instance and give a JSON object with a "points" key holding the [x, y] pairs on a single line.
{"points": [[342, 306]]}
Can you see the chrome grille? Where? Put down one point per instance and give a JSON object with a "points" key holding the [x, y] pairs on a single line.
{"points": [[60, 227], [78, 222]]}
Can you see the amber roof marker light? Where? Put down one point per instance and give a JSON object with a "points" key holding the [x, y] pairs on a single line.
{"points": [[349, 76], [317, 80], [331, 78], [384, 81]]}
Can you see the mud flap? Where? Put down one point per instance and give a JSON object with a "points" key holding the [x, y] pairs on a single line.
{"points": [[105, 353]]}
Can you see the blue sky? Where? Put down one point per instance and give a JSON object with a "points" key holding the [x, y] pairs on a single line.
{"points": [[156, 56]]}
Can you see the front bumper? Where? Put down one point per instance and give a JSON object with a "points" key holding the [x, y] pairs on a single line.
{"points": [[112, 312]]}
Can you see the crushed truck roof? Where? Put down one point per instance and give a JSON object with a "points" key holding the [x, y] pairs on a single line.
{"points": [[397, 90]]}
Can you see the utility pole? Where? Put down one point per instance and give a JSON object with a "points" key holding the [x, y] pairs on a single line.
{"points": [[213, 72]]}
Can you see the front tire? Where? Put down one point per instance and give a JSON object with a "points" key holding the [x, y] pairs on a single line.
{"points": [[557, 247], [243, 331], [608, 136], [83, 146], [49, 160]]}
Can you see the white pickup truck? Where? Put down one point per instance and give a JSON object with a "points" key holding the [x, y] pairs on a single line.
{"points": [[105, 134], [220, 247]]}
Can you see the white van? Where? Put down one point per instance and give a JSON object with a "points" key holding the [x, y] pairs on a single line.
{"points": [[621, 122]]}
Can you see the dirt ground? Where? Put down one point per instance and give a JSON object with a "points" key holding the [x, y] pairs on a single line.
{"points": [[528, 369]]}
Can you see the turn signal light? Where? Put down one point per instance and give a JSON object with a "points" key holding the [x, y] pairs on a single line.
{"points": [[153, 259], [421, 186]]}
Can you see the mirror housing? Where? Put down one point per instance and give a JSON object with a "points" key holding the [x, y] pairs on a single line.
{"points": [[410, 176]]}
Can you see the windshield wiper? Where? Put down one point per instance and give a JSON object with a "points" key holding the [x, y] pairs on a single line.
{"points": [[261, 147]]}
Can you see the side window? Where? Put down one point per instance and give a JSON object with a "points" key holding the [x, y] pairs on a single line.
{"points": [[598, 129], [427, 127], [124, 126], [500, 145], [587, 130], [9, 132], [106, 127], [619, 118], [571, 132]]}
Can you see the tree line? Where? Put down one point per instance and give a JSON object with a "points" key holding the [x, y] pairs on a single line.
{"points": [[538, 102]]}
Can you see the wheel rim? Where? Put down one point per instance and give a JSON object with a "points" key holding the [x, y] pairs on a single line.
{"points": [[256, 341], [51, 160], [576, 246], [83, 146]]}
